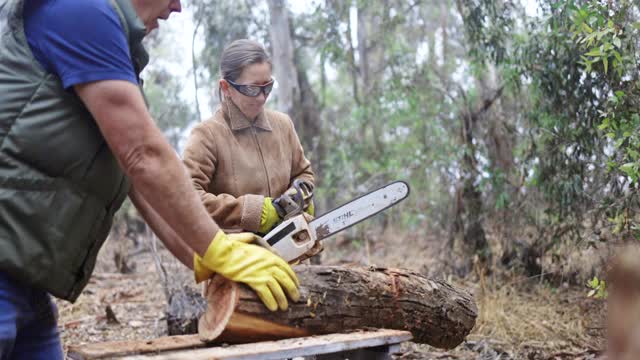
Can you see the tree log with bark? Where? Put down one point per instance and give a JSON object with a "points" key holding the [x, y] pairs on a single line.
{"points": [[333, 299]]}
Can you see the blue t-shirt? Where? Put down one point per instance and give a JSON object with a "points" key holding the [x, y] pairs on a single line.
{"points": [[79, 40]]}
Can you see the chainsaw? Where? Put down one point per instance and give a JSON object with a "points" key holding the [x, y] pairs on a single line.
{"points": [[295, 237]]}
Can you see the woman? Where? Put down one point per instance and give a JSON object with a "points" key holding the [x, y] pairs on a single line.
{"points": [[245, 155]]}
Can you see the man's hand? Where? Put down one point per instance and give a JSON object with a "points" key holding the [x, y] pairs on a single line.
{"points": [[233, 257]]}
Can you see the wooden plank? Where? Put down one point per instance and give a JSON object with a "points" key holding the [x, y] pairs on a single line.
{"points": [[374, 353], [288, 348], [109, 350]]}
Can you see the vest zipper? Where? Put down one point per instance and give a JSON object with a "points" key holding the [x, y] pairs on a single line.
{"points": [[264, 164]]}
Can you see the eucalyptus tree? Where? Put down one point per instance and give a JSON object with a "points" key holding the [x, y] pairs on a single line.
{"points": [[577, 69], [584, 67]]}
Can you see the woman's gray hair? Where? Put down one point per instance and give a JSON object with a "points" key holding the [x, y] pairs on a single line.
{"points": [[237, 56]]}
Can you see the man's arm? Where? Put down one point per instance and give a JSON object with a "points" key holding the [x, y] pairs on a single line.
{"points": [[158, 175], [165, 233], [147, 158]]}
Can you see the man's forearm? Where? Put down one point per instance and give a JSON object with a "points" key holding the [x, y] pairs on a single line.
{"points": [[163, 183], [165, 233], [148, 159]]}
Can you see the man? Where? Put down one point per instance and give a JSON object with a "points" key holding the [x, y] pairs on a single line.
{"points": [[75, 138]]}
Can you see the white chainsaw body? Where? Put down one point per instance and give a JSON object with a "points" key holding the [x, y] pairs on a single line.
{"points": [[291, 239]]}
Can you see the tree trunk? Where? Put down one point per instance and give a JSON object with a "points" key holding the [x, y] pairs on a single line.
{"points": [[500, 141], [363, 49], [295, 94], [468, 217], [444, 27], [333, 299], [308, 122], [283, 57]]}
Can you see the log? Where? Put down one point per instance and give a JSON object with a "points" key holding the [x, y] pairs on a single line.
{"points": [[333, 299]]}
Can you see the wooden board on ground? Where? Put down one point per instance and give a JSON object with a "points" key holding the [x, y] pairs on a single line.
{"points": [[109, 350], [164, 348]]}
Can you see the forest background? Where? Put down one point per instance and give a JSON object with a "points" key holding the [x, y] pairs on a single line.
{"points": [[515, 124]]}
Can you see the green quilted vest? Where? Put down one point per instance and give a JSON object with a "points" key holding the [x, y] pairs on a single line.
{"points": [[60, 185]]}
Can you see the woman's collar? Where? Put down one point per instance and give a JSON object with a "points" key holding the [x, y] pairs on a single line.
{"points": [[238, 120]]}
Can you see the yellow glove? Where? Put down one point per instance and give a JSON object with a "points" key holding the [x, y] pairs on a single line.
{"points": [[266, 273], [201, 272], [269, 216], [311, 209]]}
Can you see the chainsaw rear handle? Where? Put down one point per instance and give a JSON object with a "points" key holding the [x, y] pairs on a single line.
{"points": [[289, 205], [304, 191]]}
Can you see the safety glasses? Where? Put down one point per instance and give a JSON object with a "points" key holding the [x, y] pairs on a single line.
{"points": [[253, 90]]}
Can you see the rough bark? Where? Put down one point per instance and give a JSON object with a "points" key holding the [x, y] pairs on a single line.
{"points": [[338, 299], [283, 57]]}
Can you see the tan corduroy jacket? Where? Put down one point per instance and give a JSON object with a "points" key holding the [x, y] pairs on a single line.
{"points": [[234, 163]]}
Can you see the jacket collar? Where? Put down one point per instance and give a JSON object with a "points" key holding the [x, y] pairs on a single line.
{"points": [[238, 121]]}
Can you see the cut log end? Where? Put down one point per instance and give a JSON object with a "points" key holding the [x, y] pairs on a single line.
{"points": [[243, 328], [222, 298]]}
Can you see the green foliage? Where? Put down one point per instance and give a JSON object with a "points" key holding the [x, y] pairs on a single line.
{"points": [[595, 30], [598, 288], [561, 119], [581, 64], [608, 35], [488, 26]]}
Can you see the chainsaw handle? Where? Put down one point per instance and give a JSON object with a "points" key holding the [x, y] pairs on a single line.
{"points": [[304, 192], [289, 205]]}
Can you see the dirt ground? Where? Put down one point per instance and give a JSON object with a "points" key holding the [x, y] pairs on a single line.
{"points": [[517, 318]]}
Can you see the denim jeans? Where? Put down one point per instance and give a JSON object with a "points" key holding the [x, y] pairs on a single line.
{"points": [[28, 323]]}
